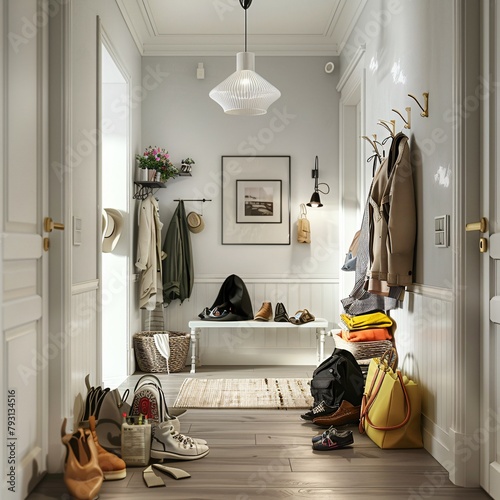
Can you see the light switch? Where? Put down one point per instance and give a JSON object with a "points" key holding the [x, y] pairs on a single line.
{"points": [[77, 231], [442, 231]]}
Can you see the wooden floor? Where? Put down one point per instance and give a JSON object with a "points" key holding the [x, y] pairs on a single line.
{"points": [[267, 454]]}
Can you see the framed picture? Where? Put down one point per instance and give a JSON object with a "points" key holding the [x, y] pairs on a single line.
{"points": [[255, 200]]}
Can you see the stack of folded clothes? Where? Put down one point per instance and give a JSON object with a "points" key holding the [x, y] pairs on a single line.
{"points": [[366, 336]]}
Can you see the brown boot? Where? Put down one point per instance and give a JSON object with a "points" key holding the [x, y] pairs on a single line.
{"points": [[265, 312], [112, 467], [346, 414]]}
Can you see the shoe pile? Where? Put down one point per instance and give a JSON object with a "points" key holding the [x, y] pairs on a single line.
{"points": [[265, 313]]}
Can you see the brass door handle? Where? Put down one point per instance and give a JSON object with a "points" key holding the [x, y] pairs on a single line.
{"points": [[480, 226], [49, 225]]}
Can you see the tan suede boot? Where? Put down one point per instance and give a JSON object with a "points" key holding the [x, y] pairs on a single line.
{"points": [[112, 467], [265, 313]]}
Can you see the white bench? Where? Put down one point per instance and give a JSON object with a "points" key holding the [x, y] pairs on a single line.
{"points": [[196, 326]]}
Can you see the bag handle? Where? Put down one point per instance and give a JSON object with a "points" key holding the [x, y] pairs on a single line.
{"points": [[146, 377], [303, 211], [390, 358], [366, 405]]}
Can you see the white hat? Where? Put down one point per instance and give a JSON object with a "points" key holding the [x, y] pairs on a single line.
{"points": [[195, 222], [112, 230]]}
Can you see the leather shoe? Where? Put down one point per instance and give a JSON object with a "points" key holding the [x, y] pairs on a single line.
{"points": [[346, 414], [280, 314], [265, 313]]}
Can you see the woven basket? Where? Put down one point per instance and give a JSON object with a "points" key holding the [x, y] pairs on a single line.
{"points": [[149, 358], [363, 350]]}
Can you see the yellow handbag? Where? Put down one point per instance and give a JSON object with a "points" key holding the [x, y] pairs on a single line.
{"points": [[303, 226], [391, 405]]}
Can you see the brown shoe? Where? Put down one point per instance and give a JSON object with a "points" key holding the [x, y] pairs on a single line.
{"points": [[346, 414], [265, 313], [112, 467]]}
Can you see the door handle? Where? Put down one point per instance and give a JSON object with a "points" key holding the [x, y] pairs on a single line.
{"points": [[480, 226], [49, 225]]}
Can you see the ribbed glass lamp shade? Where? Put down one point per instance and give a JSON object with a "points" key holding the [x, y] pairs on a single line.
{"points": [[245, 92]]}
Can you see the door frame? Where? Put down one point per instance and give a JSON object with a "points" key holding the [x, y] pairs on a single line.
{"points": [[60, 256], [490, 130], [464, 464]]}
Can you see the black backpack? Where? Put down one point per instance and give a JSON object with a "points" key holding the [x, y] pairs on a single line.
{"points": [[339, 377]]}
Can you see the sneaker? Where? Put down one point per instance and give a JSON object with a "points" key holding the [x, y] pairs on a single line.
{"points": [[175, 431], [334, 440], [319, 437], [319, 410], [168, 443]]}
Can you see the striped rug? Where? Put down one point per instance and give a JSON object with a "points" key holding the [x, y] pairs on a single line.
{"points": [[280, 393]]}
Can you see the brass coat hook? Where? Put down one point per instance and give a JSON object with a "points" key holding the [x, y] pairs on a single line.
{"points": [[374, 145], [425, 108], [408, 115], [390, 125]]}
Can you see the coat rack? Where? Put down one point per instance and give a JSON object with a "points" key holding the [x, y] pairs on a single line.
{"points": [[145, 188], [197, 199]]}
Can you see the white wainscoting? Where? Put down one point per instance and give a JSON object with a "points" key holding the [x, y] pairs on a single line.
{"points": [[267, 347], [424, 339], [83, 342]]}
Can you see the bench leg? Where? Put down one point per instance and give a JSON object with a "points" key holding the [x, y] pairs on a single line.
{"points": [[320, 344], [193, 349]]}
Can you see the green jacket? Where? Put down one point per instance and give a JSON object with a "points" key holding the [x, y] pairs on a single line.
{"points": [[178, 273]]}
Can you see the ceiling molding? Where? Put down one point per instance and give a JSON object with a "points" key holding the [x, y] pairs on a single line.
{"points": [[326, 31]]}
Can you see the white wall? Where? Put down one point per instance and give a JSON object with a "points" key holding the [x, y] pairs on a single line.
{"points": [[82, 167], [179, 116], [414, 47], [409, 47]]}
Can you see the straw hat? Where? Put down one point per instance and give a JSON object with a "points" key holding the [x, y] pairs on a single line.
{"points": [[195, 222], [113, 229]]}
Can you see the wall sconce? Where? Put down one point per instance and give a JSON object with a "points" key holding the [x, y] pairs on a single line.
{"points": [[315, 199]]}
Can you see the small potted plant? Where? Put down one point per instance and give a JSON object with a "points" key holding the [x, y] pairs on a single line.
{"points": [[186, 165], [157, 161]]}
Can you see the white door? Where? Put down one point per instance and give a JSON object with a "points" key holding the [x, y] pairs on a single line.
{"points": [[23, 262], [488, 435]]}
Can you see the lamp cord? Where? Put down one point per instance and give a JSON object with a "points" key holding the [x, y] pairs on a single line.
{"points": [[246, 30]]}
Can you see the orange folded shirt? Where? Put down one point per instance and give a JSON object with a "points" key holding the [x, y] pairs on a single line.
{"points": [[366, 335]]}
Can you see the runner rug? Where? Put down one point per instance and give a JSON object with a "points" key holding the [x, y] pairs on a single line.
{"points": [[281, 393]]}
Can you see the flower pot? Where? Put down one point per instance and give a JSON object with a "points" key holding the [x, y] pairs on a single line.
{"points": [[151, 174], [144, 174]]}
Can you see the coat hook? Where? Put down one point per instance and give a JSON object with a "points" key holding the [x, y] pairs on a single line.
{"points": [[425, 109], [374, 145], [390, 125], [408, 114]]}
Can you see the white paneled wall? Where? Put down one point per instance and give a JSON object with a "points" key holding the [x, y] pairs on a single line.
{"points": [[83, 342], [284, 347], [424, 339]]}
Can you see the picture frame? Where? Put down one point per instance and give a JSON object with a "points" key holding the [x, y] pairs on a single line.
{"points": [[255, 200]]}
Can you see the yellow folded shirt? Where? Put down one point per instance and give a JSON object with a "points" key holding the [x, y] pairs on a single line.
{"points": [[365, 321]]}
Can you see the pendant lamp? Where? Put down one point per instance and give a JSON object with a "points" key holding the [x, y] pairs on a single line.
{"points": [[245, 92]]}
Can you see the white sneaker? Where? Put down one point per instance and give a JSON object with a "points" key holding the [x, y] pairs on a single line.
{"points": [[167, 443], [177, 431]]}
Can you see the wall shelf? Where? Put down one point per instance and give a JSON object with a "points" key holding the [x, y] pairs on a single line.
{"points": [[144, 188]]}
